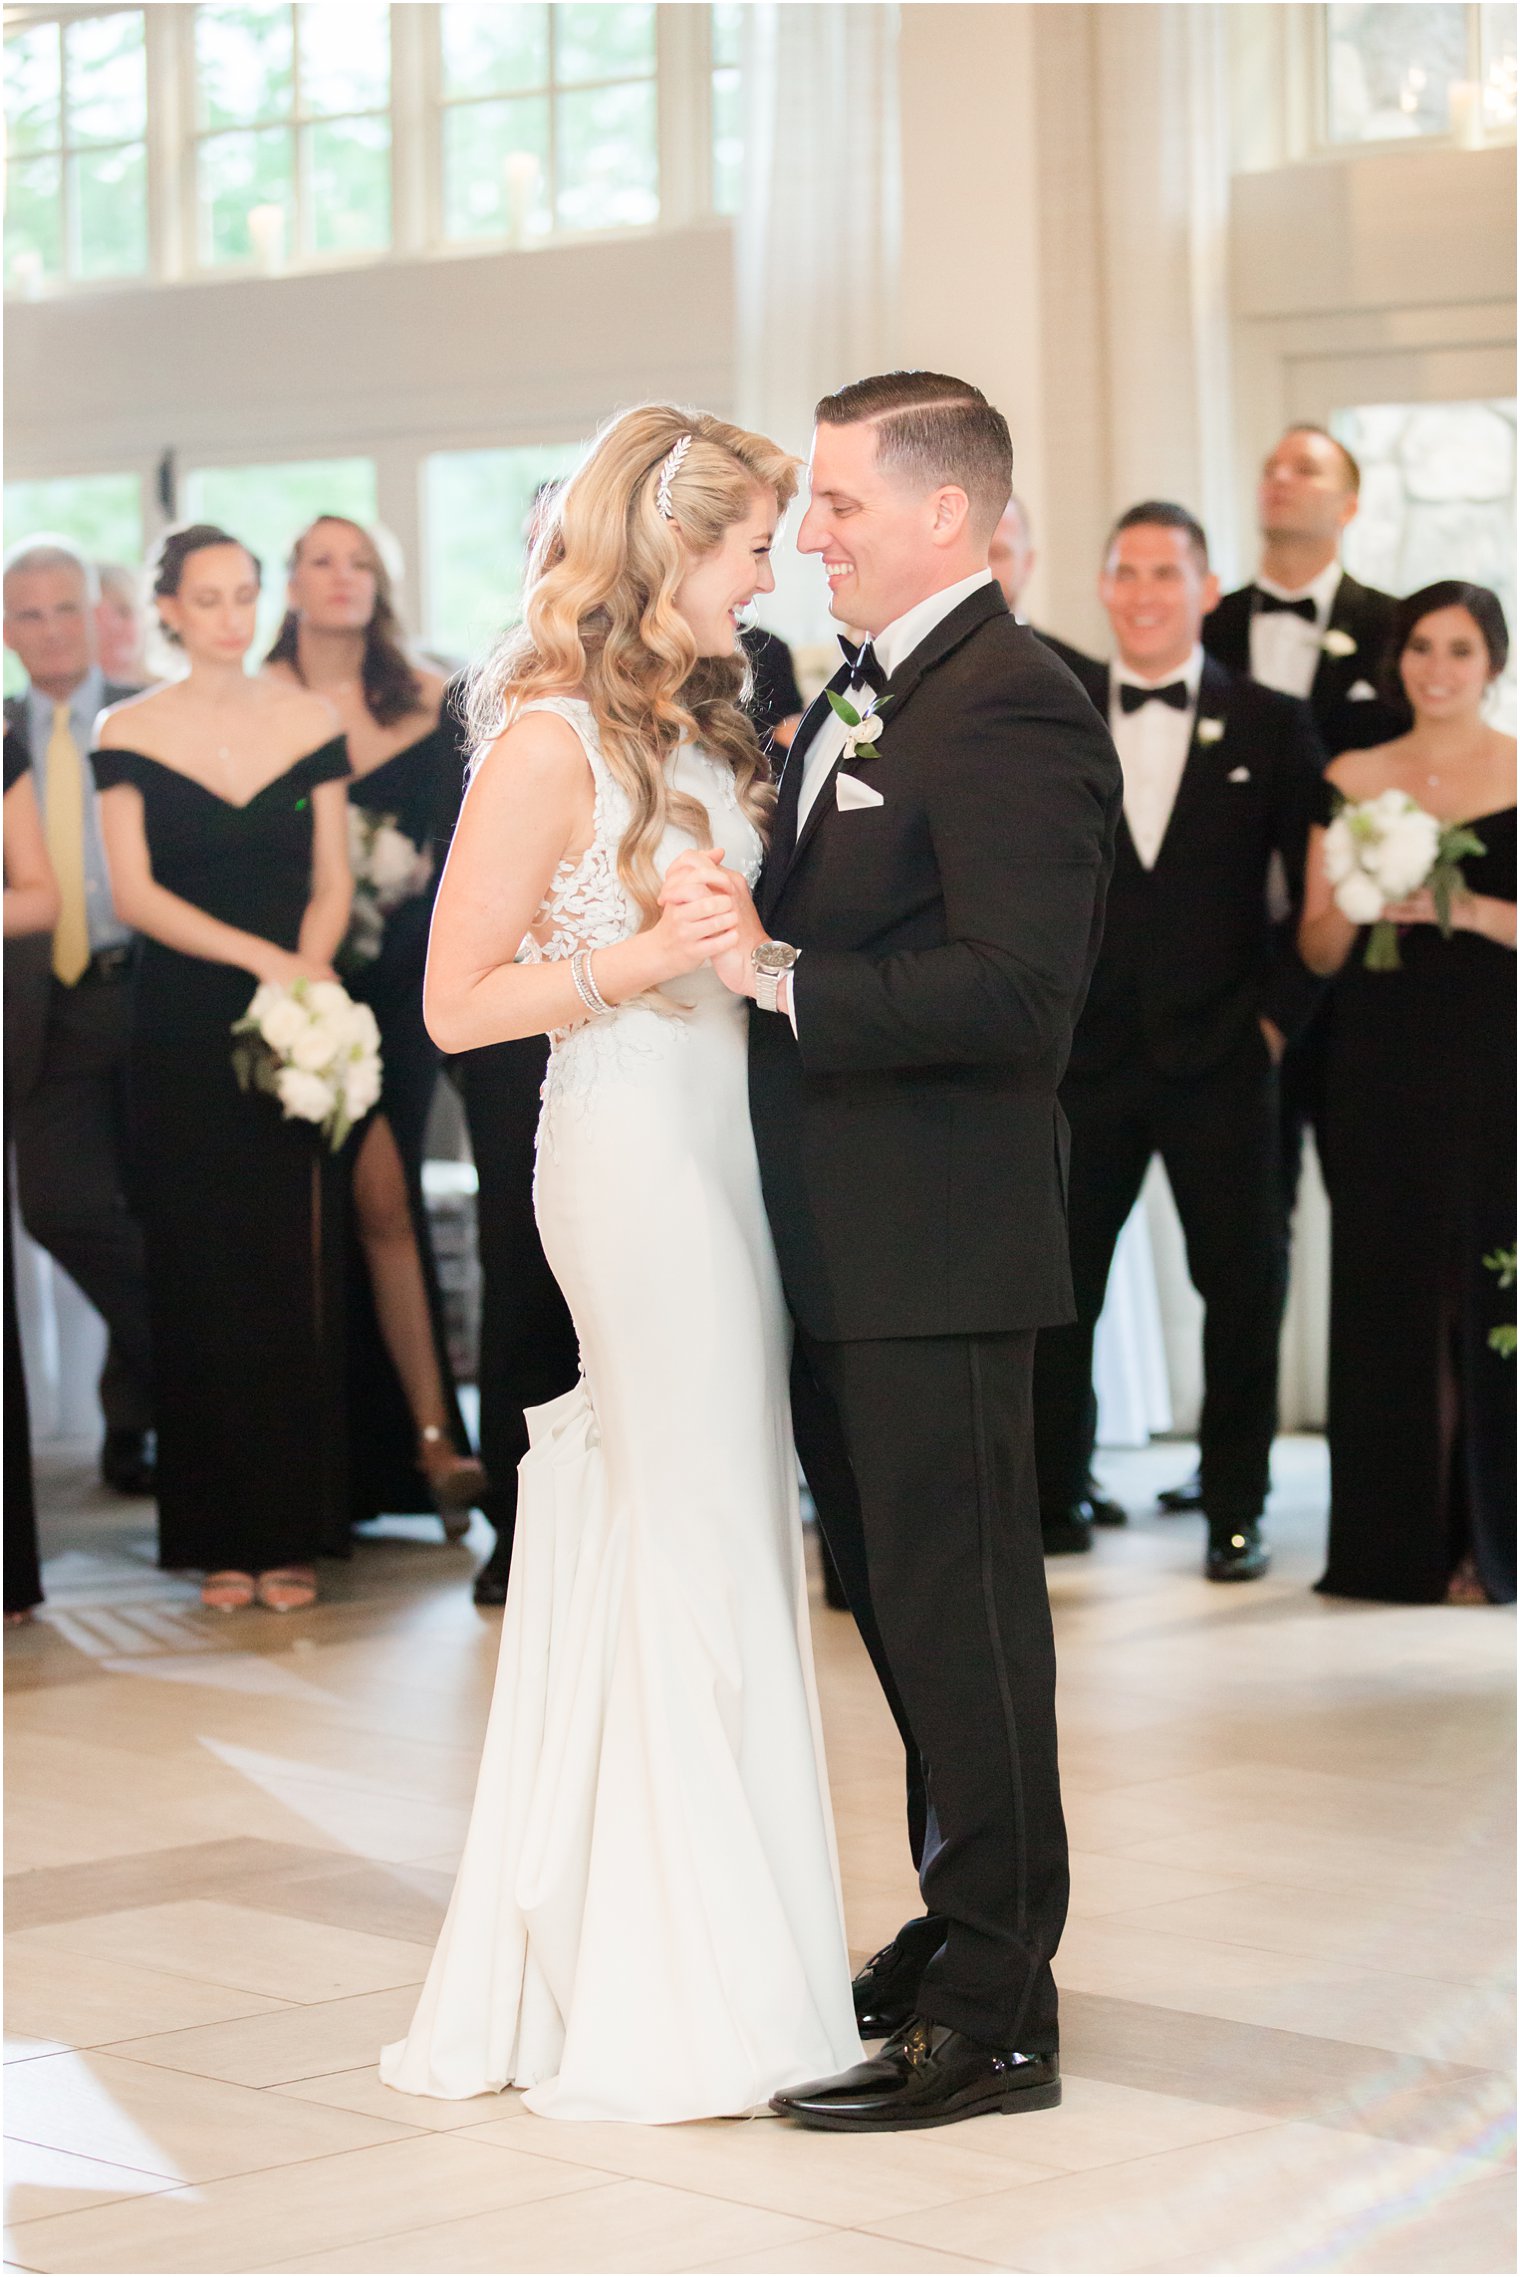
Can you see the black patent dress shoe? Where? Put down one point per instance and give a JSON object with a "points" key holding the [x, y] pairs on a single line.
{"points": [[127, 1462], [1067, 1532], [490, 1586], [1189, 1496], [1106, 1513], [1236, 1553], [925, 2076]]}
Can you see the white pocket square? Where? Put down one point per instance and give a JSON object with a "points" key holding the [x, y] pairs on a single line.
{"points": [[1238, 775], [850, 793], [1360, 692]]}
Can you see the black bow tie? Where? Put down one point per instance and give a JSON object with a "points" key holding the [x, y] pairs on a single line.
{"points": [[1174, 693], [1272, 605], [864, 664]]}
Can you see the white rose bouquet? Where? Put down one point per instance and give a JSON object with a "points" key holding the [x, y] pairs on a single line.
{"points": [[1380, 851], [314, 1049], [388, 869]]}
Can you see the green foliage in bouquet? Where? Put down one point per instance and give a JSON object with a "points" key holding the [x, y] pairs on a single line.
{"points": [[1506, 1337]]}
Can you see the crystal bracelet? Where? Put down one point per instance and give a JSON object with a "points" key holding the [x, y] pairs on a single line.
{"points": [[585, 986]]}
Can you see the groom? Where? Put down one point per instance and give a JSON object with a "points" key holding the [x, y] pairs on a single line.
{"points": [[927, 922]]}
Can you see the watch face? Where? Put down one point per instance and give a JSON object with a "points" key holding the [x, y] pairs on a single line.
{"points": [[775, 956]]}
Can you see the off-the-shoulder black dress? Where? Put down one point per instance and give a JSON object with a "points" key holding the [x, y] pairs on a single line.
{"points": [[417, 789], [1418, 1142], [243, 1211]]}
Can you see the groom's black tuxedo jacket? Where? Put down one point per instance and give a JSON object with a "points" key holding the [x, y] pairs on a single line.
{"points": [[911, 1146], [1191, 958], [1346, 722]]}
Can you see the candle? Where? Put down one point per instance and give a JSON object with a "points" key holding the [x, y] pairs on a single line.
{"points": [[266, 232], [1464, 99], [520, 175]]}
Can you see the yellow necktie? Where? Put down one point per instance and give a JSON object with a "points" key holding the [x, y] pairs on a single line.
{"points": [[65, 845]]}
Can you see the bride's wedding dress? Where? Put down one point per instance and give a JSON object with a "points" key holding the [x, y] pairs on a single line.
{"points": [[646, 1923]]}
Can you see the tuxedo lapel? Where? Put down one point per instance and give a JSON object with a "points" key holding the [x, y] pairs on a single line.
{"points": [[964, 619], [1209, 758], [785, 843], [1333, 675]]}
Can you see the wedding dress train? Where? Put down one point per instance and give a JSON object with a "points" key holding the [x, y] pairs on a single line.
{"points": [[646, 1923]]}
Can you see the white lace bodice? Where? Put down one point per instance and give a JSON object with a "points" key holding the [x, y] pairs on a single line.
{"points": [[587, 906]]}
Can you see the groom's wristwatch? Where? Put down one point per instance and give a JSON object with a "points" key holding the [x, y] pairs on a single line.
{"points": [[771, 961]]}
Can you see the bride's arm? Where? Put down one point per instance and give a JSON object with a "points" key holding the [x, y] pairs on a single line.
{"points": [[529, 806]]}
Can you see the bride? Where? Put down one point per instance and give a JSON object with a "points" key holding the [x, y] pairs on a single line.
{"points": [[646, 1923]]}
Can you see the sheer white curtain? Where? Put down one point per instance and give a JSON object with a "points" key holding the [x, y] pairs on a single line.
{"points": [[817, 236]]}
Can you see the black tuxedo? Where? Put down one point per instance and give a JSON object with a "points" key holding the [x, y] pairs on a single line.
{"points": [[912, 1155], [1363, 615], [1345, 723], [1169, 1058], [66, 1068]]}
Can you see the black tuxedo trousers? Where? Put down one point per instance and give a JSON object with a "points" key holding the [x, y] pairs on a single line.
{"points": [[1218, 1136], [919, 1455]]}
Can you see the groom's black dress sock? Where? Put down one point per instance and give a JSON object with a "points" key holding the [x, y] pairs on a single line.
{"points": [[923, 1450]]}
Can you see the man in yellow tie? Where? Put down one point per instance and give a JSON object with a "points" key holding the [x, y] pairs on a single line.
{"points": [[68, 1008]]}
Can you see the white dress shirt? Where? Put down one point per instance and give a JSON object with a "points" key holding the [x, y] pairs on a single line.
{"points": [[1153, 745], [1285, 651], [901, 637]]}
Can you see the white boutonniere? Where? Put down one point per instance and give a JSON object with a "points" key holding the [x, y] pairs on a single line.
{"points": [[1338, 643], [861, 729], [1209, 730]]}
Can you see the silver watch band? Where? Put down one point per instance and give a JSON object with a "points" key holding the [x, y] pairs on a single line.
{"points": [[767, 989]]}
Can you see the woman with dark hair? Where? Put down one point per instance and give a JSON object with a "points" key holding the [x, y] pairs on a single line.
{"points": [[341, 637], [224, 817], [1419, 1148]]}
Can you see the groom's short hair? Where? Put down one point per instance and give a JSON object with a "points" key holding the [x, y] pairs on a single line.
{"points": [[1163, 514], [932, 429]]}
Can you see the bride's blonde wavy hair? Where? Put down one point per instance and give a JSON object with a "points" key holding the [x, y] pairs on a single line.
{"points": [[599, 616]]}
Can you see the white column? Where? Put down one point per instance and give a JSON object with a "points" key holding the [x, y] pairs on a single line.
{"points": [[1162, 139], [816, 241]]}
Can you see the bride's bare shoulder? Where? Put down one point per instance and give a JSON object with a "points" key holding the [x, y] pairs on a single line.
{"points": [[538, 754]]}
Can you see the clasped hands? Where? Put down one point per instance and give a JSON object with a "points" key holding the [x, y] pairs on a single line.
{"points": [[711, 909]]}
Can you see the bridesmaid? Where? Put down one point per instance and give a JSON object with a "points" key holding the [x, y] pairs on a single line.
{"points": [[31, 909], [1419, 1144], [225, 823], [341, 638]]}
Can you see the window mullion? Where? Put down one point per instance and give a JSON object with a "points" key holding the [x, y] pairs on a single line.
{"points": [[412, 149], [683, 112], [296, 251], [165, 141]]}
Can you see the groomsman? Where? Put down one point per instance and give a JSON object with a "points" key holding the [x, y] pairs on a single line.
{"points": [[1011, 558], [1308, 629], [1194, 994], [68, 1005]]}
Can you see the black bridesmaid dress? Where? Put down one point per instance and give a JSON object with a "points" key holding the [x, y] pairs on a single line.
{"points": [[1419, 1159], [418, 790], [23, 1570], [242, 1210]]}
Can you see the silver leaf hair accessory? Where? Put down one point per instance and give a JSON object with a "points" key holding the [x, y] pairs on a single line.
{"points": [[668, 472]]}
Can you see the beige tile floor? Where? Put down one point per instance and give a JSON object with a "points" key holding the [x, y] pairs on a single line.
{"points": [[1285, 1981]]}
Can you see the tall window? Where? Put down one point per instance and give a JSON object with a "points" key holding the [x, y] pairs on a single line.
{"points": [[475, 509], [293, 130], [1438, 500], [76, 121], [268, 506], [1402, 68], [727, 106], [550, 117]]}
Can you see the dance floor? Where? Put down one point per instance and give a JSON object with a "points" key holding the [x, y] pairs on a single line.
{"points": [[1285, 1978]]}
